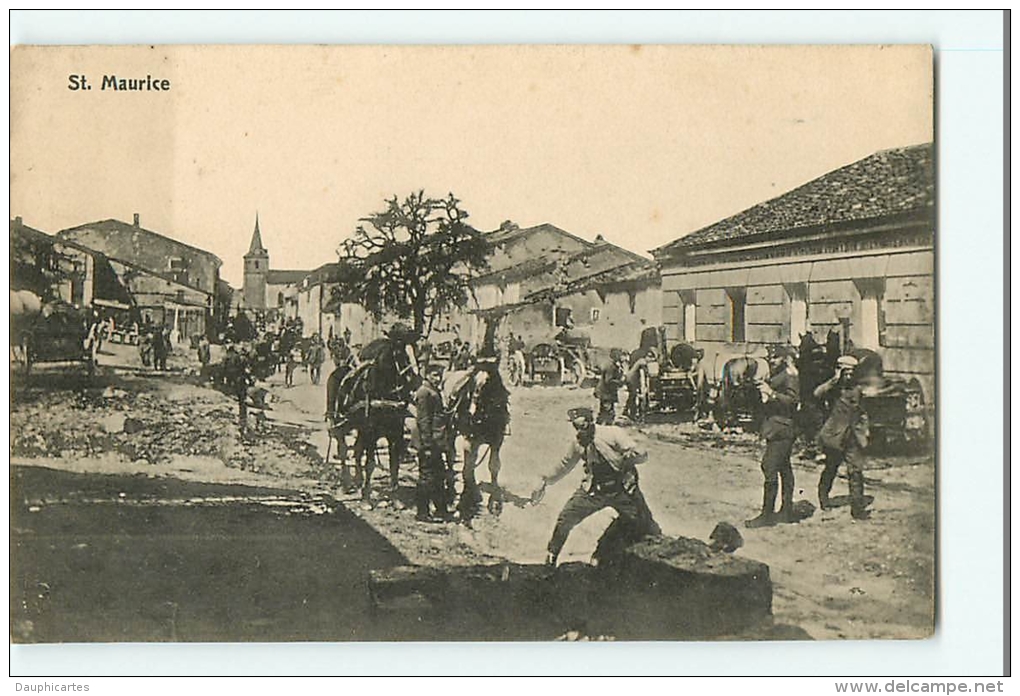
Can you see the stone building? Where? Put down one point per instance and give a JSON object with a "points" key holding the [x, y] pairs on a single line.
{"points": [[544, 279], [851, 251], [171, 282]]}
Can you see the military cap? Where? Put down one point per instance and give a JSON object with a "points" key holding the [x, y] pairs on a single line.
{"points": [[580, 416], [846, 361]]}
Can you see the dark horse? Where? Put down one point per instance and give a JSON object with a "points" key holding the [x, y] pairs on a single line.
{"points": [[480, 410], [372, 400]]}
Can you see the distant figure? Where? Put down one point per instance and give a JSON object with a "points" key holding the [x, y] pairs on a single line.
{"points": [[464, 358], [204, 352], [293, 357], [160, 347], [316, 356], [145, 346], [607, 391]]}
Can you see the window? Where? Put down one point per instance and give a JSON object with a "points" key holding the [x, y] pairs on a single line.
{"points": [[871, 325], [562, 317], [179, 296], [632, 300], [736, 320], [279, 299], [256, 265], [797, 292], [688, 315], [595, 313]]}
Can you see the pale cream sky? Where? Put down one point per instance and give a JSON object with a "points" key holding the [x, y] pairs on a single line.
{"points": [[640, 144]]}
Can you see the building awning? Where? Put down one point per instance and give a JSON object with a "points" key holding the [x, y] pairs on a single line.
{"points": [[112, 304]]}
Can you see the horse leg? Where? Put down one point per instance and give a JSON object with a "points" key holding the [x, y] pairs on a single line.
{"points": [[368, 451], [470, 497], [495, 504], [395, 454]]}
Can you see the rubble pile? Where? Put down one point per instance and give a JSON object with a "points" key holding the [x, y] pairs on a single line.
{"points": [[153, 427]]}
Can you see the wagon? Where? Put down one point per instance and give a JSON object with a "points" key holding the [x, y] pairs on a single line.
{"points": [[552, 363], [59, 333]]}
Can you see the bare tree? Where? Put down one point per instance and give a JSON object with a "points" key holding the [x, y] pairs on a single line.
{"points": [[414, 259]]}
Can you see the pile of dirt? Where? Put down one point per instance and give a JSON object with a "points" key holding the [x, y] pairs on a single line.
{"points": [[153, 426]]}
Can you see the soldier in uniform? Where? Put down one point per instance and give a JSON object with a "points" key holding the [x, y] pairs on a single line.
{"points": [[780, 394], [844, 436], [610, 480], [432, 435], [607, 391]]}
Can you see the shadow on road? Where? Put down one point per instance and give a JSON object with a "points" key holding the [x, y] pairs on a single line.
{"points": [[119, 558]]}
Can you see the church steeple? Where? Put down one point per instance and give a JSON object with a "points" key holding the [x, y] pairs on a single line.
{"points": [[256, 271], [256, 248]]}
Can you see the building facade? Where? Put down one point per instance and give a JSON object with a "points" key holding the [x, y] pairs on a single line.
{"points": [[851, 251], [171, 283]]}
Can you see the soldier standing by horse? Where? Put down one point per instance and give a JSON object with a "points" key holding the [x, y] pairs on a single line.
{"points": [[431, 496]]}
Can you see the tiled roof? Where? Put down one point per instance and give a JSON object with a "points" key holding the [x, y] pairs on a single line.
{"points": [[642, 270], [527, 268], [889, 182], [118, 226], [284, 277], [502, 235]]}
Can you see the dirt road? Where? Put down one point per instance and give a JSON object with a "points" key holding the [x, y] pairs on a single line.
{"points": [[833, 577]]}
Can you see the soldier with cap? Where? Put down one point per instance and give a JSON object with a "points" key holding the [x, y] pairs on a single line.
{"points": [[844, 436], [431, 419], [610, 480], [780, 394]]}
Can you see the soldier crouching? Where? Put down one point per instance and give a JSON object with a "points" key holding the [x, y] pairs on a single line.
{"points": [[610, 480]]}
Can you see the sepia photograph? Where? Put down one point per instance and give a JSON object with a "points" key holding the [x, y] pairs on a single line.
{"points": [[473, 343]]}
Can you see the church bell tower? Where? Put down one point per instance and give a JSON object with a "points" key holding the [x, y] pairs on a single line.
{"points": [[256, 269]]}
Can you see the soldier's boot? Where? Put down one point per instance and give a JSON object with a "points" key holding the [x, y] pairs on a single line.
{"points": [[858, 503], [786, 512], [767, 518], [825, 487]]}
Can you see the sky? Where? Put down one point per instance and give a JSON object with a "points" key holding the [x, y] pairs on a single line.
{"points": [[641, 144]]}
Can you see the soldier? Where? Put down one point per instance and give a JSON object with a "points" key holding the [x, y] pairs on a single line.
{"points": [[316, 356], [204, 355], [636, 375], [844, 437], [607, 391], [610, 480], [780, 395], [160, 347], [432, 436]]}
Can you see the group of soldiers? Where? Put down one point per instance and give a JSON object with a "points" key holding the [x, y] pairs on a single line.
{"points": [[843, 436], [154, 345], [610, 456]]}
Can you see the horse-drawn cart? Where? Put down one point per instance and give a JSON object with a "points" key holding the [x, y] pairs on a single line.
{"points": [[56, 332], [564, 360]]}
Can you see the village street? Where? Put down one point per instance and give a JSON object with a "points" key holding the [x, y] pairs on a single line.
{"points": [[271, 509]]}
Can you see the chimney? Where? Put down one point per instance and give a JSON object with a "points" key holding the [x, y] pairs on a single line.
{"points": [[17, 221], [136, 219]]}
